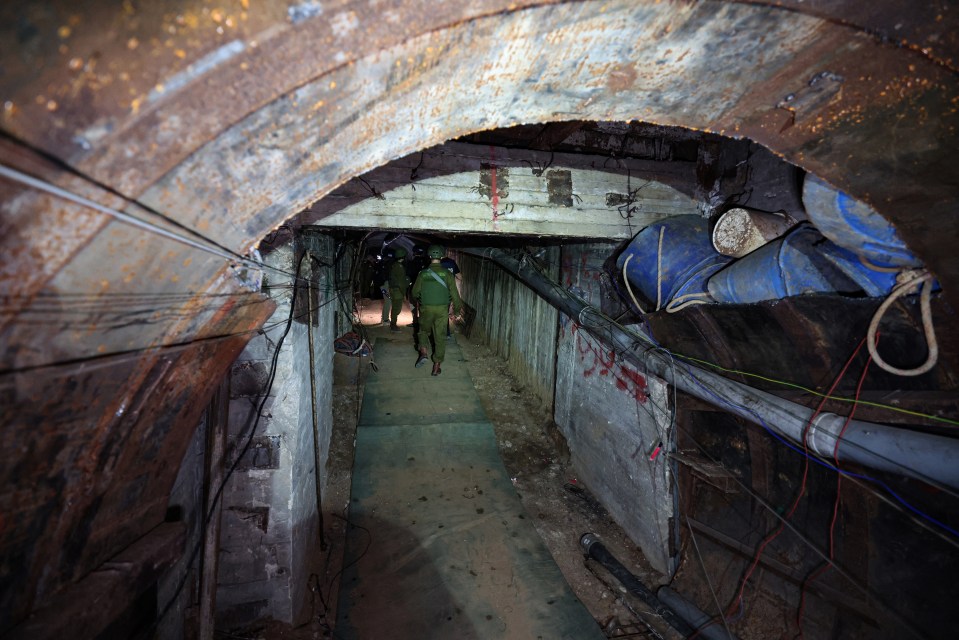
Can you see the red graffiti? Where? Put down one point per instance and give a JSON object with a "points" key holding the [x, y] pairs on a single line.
{"points": [[595, 358], [599, 360], [629, 380]]}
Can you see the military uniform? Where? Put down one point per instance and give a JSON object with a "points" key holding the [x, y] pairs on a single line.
{"points": [[398, 286], [435, 289]]}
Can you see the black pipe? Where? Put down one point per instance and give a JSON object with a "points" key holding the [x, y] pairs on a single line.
{"points": [[927, 457], [593, 548]]}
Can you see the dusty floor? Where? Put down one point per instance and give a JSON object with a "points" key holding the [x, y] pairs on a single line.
{"points": [[561, 508]]}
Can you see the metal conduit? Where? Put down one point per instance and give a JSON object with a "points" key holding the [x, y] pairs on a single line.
{"points": [[926, 457]]}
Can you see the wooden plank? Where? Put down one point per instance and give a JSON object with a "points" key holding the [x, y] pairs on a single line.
{"points": [[84, 609], [710, 472], [829, 594]]}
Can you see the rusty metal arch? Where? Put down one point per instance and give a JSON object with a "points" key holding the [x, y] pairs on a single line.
{"points": [[247, 128]]}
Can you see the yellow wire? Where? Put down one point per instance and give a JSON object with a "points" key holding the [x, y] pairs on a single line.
{"points": [[821, 395]]}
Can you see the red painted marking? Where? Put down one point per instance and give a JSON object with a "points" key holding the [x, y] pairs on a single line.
{"points": [[632, 380]]}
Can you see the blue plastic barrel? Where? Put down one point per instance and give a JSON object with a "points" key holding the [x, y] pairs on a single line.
{"points": [[801, 262], [854, 225], [687, 254]]}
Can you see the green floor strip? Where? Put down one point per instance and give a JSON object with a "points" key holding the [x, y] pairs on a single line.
{"points": [[440, 546]]}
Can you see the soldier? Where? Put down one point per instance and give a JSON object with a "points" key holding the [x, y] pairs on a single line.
{"points": [[399, 283], [434, 289]]}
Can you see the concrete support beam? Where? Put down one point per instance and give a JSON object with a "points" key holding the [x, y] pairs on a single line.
{"points": [[270, 505], [469, 188]]}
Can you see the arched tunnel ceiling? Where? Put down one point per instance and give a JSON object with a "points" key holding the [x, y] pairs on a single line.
{"points": [[235, 131], [231, 118]]}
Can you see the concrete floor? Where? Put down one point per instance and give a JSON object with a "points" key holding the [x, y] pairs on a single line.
{"points": [[439, 545]]}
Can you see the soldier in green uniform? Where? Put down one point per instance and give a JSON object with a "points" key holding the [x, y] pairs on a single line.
{"points": [[434, 289], [399, 283]]}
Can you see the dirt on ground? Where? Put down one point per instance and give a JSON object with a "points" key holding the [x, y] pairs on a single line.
{"points": [[535, 455]]}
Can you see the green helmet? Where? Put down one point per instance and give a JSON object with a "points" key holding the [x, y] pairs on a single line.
{"points": [[435, 252], [400, 253]]}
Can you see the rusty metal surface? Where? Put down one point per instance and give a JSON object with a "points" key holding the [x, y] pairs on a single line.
{"points": [[929, 28], [232, 117], [114, 587], [92, 453]]}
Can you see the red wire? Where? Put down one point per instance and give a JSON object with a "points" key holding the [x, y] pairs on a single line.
{"points": [[835, 507], [802, 489]]}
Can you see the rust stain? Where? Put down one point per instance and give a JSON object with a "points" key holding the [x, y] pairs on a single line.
{"points": [[622, 77]]}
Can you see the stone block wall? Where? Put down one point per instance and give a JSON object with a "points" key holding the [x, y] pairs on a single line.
{"points": [[269, 537]]}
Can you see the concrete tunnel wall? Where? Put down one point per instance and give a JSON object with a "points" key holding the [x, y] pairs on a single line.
{"points": [[611, 415], [225, 124], [269, 524]]}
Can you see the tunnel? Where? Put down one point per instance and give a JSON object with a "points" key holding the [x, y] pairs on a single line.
{"points": [[207, 420]]}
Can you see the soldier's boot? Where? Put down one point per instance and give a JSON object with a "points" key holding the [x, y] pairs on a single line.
{"points": [[422, 359]]}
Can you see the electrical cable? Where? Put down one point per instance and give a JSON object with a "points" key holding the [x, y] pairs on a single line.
{"points": [[712, 591], [745, 409], [779, 516], [677, 304], [877, 405], [41, 185], [115, 357], [724, 402], [802, 487], [64, 166], [902, 501], [238, 457], [835, 509], [773, 511], [892, 462], [808, 457], [207, 245], [659, 269], [695, 298]]}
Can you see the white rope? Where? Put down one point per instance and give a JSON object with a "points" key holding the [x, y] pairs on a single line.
{"points": [[872, 266], [677, 303], [659, 270], [924, 279], [629, 288]]}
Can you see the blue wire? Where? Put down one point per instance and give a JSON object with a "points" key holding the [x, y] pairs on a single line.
{"points": [[823, 463], [728, 403]]}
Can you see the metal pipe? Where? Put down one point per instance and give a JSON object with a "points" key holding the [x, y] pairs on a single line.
{"points": [[694, 615], [926, 457], [595, 549]]}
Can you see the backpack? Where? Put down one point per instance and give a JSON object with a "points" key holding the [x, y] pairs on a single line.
{"points": [[352, 344]]}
